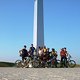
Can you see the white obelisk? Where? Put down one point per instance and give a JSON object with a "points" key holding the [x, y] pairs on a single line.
{"points": [[38, 35]]}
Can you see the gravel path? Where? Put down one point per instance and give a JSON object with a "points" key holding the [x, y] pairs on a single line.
{"points": [[39, 73]]}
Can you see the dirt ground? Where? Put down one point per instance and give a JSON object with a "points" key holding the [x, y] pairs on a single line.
{"points": [[39, 73]]}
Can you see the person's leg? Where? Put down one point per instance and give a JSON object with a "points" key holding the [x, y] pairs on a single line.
{"points": [[55, 62], [22, 58], [66, 62], [62, 61]]}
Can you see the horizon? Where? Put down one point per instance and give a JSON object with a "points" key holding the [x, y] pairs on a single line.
{"points": [[61, 27]]}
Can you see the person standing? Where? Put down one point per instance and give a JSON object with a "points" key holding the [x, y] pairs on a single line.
{"points": [[31, 51], [63, 54], [23, 53]]}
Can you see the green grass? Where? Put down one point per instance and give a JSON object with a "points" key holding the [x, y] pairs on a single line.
{"points": [[6, 64], [10, 64], [78, 65]]}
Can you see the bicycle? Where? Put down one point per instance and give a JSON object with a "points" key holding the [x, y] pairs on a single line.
{"points": [[68, 62], [54, 63], [26, 63], [71, 63]]}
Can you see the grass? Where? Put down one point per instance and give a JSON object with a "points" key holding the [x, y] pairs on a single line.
{"points": [[6, 64], [10, 64], [78, 65]]}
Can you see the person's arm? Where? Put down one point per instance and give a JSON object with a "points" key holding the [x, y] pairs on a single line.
{"points": [[67, 53], [60, 53], [20, 52]]}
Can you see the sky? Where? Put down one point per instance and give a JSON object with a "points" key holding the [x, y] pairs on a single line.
{"points": [[61, 27]]}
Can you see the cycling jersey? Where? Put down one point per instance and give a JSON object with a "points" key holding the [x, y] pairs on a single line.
{"points": [[63, 53]]}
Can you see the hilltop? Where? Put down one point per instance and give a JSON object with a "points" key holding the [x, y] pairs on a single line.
{"points": [[6, 64], [11, 64]]}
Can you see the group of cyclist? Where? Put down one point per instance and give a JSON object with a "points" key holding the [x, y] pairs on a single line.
{"points": [[43, 53]]}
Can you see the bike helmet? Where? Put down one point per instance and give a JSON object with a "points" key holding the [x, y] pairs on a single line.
{"points": [[24, 46]]}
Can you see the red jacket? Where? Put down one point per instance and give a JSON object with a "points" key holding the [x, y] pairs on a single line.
{"points": [[63, 53]]}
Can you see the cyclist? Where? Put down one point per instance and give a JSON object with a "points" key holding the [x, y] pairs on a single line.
{"points": [[44, 53], [40, 51], [54, 53], [54, 56], [63, 54], [23, 53], [31, 51], [40, 54], [44, 50], [48, 53]]}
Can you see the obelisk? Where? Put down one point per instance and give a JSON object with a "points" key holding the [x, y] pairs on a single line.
{"points": [[38, 33]]}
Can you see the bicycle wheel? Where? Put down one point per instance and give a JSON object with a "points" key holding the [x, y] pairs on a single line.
{"points": [[72, 63], [18, 63], [58, 63], [54, 63], [35, 64]]}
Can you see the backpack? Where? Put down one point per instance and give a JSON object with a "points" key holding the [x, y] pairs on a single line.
{"points": [[24, 52]]}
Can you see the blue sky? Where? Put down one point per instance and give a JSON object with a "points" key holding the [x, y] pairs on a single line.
{"points": [[61, 26]]}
